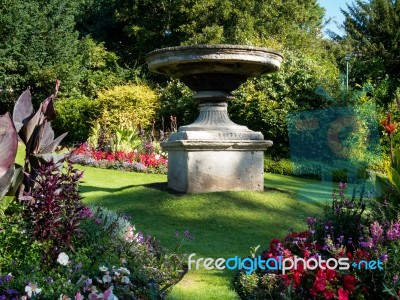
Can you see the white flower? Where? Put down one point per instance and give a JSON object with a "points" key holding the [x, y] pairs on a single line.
{"points": [[124, 271], [125, 279], [63, 259], [103, 269], [32, 289], [106, 278]]}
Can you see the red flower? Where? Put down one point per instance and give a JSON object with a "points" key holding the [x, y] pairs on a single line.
{"points": [[330, 274], [296, 278], [273, 245], [390, 128], [349, 282], [388, 125], [343, 294], [306, 253], [329, 294]]}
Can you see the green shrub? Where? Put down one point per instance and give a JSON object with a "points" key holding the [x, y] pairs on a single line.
{"points": [[282, 166], [74, 115], [176, 100], [125, 105]]}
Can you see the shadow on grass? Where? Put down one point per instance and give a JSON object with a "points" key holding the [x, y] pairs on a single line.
{"points": [[158, 186], [224, 223]]}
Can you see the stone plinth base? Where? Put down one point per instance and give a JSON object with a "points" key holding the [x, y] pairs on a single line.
{"points": [[212, 166]]}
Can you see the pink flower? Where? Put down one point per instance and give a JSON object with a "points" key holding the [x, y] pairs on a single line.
{"points": [[343, 294], [78, 296]]}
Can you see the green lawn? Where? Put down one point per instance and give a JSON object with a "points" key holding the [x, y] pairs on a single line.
{"points": [[223, 224]]}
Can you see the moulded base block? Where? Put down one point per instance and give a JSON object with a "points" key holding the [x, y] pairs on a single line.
{"points": [[200, 166]]}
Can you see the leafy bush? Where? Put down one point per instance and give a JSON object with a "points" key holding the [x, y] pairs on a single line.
{"points": [[123, 105], [282, 166], [74, 115], [176, 100], [54, 205]]}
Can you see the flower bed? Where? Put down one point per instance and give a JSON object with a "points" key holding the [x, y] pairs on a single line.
{"points": [[346, 236], [54, 247], [132, 161]]}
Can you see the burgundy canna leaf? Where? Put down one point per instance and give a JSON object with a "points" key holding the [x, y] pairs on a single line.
{"points": [[8, 143], [29, 128], [48, 108], [23, 110], [46, 136], [5, 181], [53, 145]]}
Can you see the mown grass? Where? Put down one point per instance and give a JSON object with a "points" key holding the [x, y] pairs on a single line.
{"points": [[224, 224]]}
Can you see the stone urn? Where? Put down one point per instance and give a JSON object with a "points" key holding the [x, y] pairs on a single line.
{"points": [[213, 153]]}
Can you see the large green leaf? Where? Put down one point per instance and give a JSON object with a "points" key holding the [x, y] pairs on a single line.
{"points": [[397, 160], [380, 181], [23, 110], [8, 143], [5, 202], [394, 178]]}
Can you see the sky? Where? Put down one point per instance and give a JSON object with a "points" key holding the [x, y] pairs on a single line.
{"points": [[332, 8]]}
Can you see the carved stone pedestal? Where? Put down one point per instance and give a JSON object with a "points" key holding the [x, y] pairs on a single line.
{"points": [[214, 154]]}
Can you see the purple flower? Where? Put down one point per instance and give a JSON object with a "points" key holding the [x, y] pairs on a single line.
{"points": [[393, 233], [49, 280], [383, 257], [139, 238], [311, 221], [376, 232], [86, 213], [188, 236]]}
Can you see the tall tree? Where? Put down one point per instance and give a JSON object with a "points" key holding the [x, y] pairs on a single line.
{"points": [[140, 26], [372, 29], [38, 44]]}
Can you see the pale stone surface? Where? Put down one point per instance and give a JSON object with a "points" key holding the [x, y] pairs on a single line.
{"points": [[212, 166], [248, 61], [213, 153]]}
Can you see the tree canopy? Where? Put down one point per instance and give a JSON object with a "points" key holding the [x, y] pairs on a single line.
{"points": [[372, 31], [38, 44]]}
